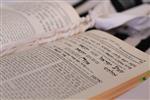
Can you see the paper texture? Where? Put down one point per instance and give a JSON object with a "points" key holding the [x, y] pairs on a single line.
{"points": [[77, 67], [24, 22]]}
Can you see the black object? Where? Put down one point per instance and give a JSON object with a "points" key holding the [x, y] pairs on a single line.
{"points": [[121, 5], [80, 3], [144, 44], [121, 36], [84, 14]]}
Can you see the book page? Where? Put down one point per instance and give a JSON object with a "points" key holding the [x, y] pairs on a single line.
{"points": [[78, 67], [26, 21]]}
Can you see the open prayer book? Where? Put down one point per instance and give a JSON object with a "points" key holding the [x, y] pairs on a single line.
{"points": [[90, 65]]}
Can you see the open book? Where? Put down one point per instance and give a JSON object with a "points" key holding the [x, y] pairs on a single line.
{"points": [[87, 65]]}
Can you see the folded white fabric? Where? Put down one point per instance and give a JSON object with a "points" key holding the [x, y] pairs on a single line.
{"points": [[140, 23], [111, 19]]}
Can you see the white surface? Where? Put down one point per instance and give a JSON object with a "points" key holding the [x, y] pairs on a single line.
{"points": [[141, 92]]}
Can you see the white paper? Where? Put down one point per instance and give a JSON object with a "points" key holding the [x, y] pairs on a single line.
{"points": [[24, 22], [77, 67]]}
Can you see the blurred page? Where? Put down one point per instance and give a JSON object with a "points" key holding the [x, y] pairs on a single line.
{"points": [[24, 22]]}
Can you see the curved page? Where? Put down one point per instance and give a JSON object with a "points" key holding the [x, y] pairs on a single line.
{"points": [[78, 67], [24, 22]]}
